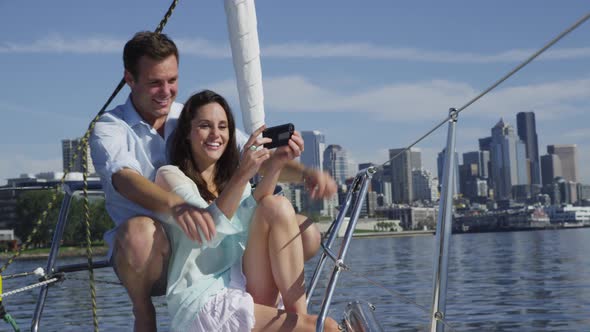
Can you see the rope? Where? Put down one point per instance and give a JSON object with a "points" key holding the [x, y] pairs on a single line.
{"points": [[82, 148], [38, 271], [89, 242], [26, 288], [494, 85], [97, 281]]}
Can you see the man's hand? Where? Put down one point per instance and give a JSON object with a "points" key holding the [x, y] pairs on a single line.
{"points": [[190, 218], [319, 183]]}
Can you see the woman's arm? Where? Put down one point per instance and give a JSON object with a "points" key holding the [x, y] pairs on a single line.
{"points": [[229, 200], [275, 164]]}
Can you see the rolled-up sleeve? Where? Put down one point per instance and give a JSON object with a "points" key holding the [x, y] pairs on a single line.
{"points": [[110, 149]]}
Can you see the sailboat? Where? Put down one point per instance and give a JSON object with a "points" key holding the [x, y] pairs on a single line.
{"points": [[358, 316]]}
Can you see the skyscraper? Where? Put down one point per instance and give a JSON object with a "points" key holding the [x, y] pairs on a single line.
{"points": [[69, 148], [527, 132], [550, 168], [401, 173], [440, 164], [507, 160], [313, 155], [568, 156], [336, 162]]}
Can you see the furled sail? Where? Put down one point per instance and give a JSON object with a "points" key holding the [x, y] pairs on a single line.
{"points": [[243, 36]]}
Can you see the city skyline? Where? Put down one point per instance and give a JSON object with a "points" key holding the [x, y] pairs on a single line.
{"points": [[369, 87]]}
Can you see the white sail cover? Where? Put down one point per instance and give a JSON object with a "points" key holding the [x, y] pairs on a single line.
{"points": [[243, 36]]}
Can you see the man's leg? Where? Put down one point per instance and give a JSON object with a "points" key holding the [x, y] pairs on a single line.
{"points": [[141, 258], [310, 236]]}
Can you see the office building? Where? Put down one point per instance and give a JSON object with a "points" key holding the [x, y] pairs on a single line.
{"points": [[401, 173], [567, 154], [336, 162], [315, 144], [72, 158], [527, 132]]}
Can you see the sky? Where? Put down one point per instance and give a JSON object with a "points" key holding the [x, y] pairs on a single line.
{"points": [[370, 75]]}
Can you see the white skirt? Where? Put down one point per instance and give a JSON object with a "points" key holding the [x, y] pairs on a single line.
{"points": [[231, 310]]}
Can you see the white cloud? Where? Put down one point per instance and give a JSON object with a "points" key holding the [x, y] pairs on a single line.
{"points": [[371, 51], [56, 43], [578, 134], [421, 100]]}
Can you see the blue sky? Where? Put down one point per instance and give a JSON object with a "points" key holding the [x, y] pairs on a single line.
{"points": [[371, 75]]}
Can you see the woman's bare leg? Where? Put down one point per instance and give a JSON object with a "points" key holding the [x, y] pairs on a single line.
{"points": [[271, 319], [310, 236], [273, 260]]}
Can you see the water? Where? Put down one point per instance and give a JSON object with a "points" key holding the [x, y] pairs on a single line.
{"points": [[520, 281]]}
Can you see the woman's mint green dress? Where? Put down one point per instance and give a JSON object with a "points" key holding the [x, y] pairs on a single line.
{"points": [[197, 272]]}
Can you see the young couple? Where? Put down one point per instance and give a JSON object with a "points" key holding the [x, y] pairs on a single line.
{"points": [[227, 254]]}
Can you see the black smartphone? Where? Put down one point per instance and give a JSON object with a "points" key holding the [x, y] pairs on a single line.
{"points": [[280, 135]]}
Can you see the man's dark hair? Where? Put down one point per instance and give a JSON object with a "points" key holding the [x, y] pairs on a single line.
{"points": [[180, 148], [156, 46]]}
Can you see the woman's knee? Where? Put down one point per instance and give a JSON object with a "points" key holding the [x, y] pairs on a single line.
{"points": [[276, 208], [329, 323]]}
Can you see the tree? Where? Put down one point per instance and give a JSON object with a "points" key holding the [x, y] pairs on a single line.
{"points": [[31, 205], [29, 208]]}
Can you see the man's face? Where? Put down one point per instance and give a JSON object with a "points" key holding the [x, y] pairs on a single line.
{"points": [[155, 87]]}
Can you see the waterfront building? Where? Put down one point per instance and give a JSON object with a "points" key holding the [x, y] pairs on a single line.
{"points": [[315, 144], [485, 143], [422, 182], [293, 193], [508, 160], [569, 214], [527, 132], [567, 154], [313, 156], [523, 164], [401, 173], [550, 168], [69, 150], [480, 159], [411, 217], [336, 162], [568, 191], [440, 164], [473, 175], [368, 209], [583, 192]]}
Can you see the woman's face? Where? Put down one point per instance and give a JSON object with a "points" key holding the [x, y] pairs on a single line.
{"points": [[209, 135]]}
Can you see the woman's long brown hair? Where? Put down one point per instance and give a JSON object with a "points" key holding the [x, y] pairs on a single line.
{"points": [[180, 149]]}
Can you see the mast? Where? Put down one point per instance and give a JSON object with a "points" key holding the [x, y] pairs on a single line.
{"points": [[243, 37]]}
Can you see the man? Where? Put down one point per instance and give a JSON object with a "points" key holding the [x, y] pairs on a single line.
{"points": [[128, 145]]}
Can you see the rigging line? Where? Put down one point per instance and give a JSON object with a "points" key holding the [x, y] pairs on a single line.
{"points": [[107, 282], [26, 288], [496, 84], [527, 61], [84, 144]]}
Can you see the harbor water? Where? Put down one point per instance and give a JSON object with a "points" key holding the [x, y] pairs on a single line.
{"points": [[511, 281]]}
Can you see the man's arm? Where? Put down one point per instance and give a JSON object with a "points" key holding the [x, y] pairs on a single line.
{"points": [[133, 186], [319, 183]]}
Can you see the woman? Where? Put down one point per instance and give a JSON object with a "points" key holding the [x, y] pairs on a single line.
{"points": [[207, 288]]}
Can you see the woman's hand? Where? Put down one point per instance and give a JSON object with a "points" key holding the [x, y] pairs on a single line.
{"points": [[254, 154], [290, 151]]}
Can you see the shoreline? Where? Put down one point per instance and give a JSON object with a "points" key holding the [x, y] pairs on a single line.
{"points": [[63, 252]]}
